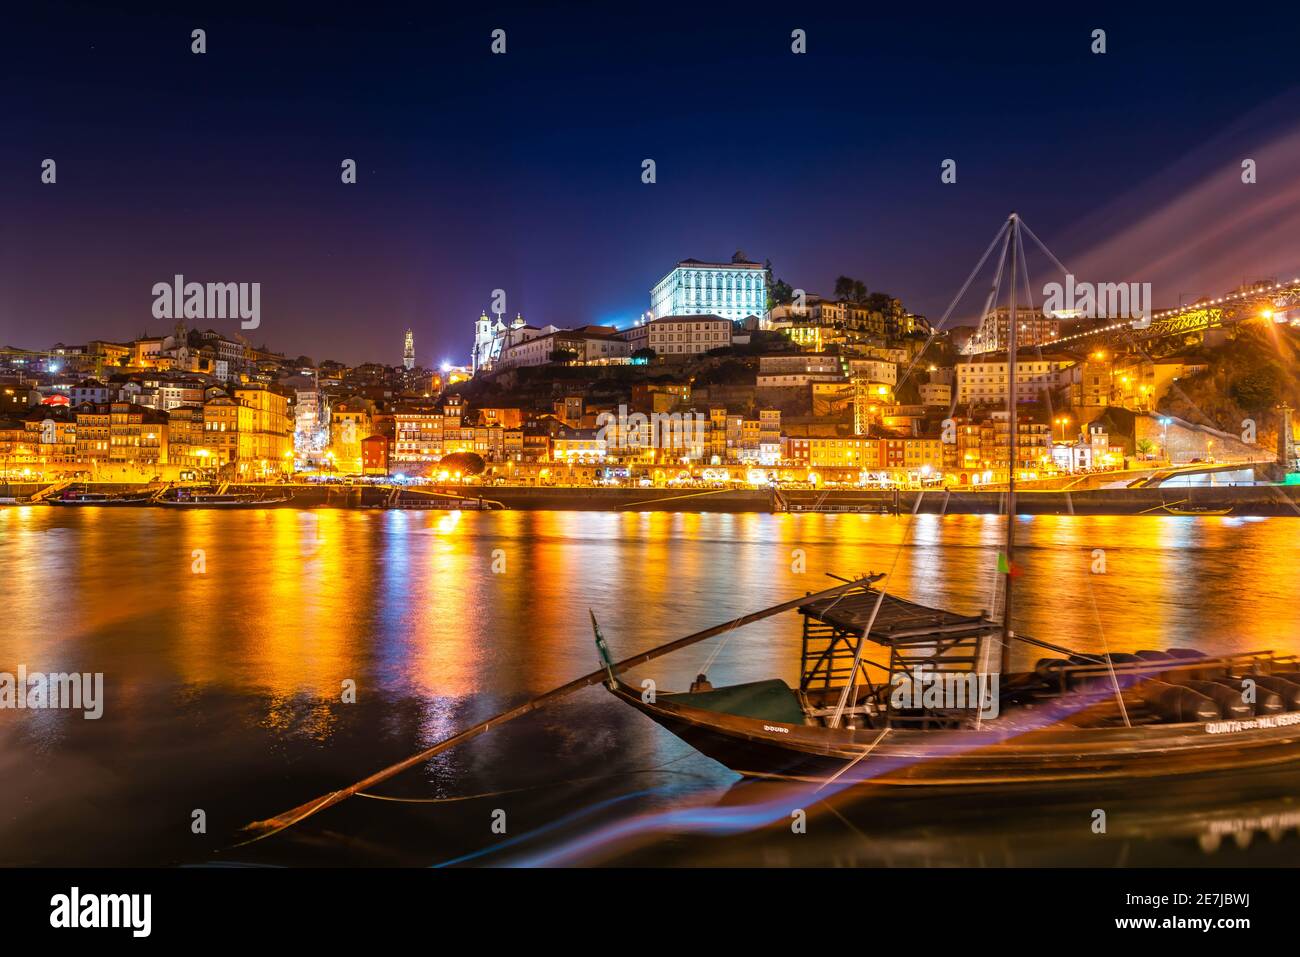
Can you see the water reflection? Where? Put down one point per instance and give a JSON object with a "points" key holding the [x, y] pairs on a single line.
{"points": [[226, 639]]}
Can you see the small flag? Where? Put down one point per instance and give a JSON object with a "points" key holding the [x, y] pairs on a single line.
{"points": [[1007, 568], [602, 648]]}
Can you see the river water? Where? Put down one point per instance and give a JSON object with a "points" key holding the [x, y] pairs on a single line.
{"points": [[227, 640]]}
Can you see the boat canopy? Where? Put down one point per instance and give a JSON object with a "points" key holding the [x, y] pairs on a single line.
{"points": [[898, 622]]}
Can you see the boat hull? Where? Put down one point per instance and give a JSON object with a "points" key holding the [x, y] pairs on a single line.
{"points": [[268, 503], [99, 503], [899, 758]]}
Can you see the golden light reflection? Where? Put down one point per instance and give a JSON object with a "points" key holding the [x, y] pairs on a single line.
{"points": [[474, 610]]}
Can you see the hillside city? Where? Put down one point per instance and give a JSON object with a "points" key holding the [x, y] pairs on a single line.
{"points": [[731, 376]]}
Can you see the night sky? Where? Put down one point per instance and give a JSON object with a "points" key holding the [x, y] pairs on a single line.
{"points": [[523, 171]]}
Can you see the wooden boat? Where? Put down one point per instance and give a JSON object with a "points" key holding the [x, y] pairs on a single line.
{"points": [[190, 498], [1196, 510], [1060, 723], [74, 497], [1187, 507], [439, 504]]}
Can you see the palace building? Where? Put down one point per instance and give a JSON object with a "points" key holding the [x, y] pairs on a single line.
{"points": [[734, 290]]}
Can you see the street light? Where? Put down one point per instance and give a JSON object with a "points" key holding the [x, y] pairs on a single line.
{"points": [[1063, 421]]}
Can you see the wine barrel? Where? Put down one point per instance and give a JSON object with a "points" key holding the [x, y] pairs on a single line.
{"points": [[1178, 703], [1229, 700], [1049, 669], [1287, 691]]}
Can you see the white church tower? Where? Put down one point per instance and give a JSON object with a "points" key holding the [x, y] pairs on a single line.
{"points": [[485, 333]]}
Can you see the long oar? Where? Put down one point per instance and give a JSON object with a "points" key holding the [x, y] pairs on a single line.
{"points": [[303, 811]]}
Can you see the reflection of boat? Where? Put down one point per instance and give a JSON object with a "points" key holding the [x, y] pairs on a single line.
{"points": [[1201, 822], [82, 497], [199, 498]]}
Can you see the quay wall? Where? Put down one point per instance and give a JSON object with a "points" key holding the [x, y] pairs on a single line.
{"points": [[1260, 500]]}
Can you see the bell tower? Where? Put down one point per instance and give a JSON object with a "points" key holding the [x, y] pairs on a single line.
{"points": [[483, 336]]}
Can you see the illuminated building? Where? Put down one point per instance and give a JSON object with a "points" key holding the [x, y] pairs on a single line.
{"points": [[808, 363], [820, 322], [795, 380], [983, 381], [935, 393], [408, 351], [734, 290], [417, 435], [1032, 329], [844, 452], [492, 337], [577, 445], [374, 455], [137, 435], [92, 433], [89, 390], [185, 437], [227, 431], [679, 336], [350, 421], [270, 442], [589, 345], [52, 434]]}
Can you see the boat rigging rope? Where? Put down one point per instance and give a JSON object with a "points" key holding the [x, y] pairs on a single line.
{"points": [[1092, 592], [871, 622], [1004, 234], [727, 634], [836, 776]]}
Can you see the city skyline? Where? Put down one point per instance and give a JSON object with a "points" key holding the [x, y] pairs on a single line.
{"points": [[428, 231]]}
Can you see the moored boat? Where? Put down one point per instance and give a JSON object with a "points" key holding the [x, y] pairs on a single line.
{"points": [[1197, 510], [75, 497], [1150, 714], [199, 498]]}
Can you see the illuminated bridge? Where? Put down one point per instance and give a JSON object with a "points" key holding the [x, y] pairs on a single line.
{"points": [[1261, 300]]}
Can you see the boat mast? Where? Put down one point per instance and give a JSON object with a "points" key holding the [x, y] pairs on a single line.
{"points": [[1011, 451]]}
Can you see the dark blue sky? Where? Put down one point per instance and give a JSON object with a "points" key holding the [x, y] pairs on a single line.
{"points": [[523, 171]]}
